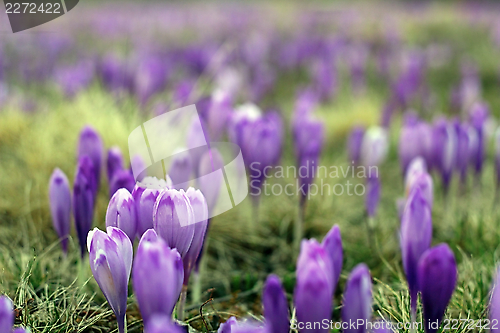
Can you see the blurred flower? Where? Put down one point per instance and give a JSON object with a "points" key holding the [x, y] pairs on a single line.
{"points": [[150, 77], [410, 140], [6, 314], [445, 139], [121, 179], [60, 206], [332, 243], [354, 144], [200, 210], [240, 120], [275, 306], [226, 327], [494, 305], [372, 198], [162, 324], [181, 170], [497, 156], [115, 74], [145, 194], [314, 287], [218, 114], [479, 113], [415, 238], [83, 201], [74, 78], [114, 162], [324, 77], [110, 256], [157, 277], [357, 303], [90, 144], [173, 220], [121, 213], [374, 147], [437, 278], [462, 151], [244, 326], [416, 167], [262, 146]]}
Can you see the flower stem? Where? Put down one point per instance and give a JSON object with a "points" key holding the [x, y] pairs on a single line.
{"points": [[122, 324], [182, 303], [196, 287]]}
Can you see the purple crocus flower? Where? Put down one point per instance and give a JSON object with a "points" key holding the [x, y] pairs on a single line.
{"points": [[6, 314], [325, 77], [162, 324], [437, 278], [218, 114], [110, 256], [121, 213], [243, 117], [209, 181], [332, 243], [90, 144], [479, 113], [445, 139], [115, 74], [415, 238], [60, 206], [497, 156], [372, 198], [374, 147], [157, 276], [357, 299], [262, 145], [145, 194], [494, 306], [181, 169], [83, 201], [228, 325], [121, 179], [114, 162], [75, 78], [275, 306], [410, 140], [314, 286], [244, 326], [200, 210], [173, 220], [354, 144], [462, 151], [308, 137]]}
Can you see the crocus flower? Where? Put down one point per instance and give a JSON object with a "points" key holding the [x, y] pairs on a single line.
{"points": [[157, 277], [354, 144], [374, 147], [332, 243], [244, 326], [462, 151], [357, 299], [410, 140], [60, 206], [218, 114], [121, 213], [173, 220], [226, 327], [479, 113], [424, 182], [200, 210], [243, 116], [115, 74], [121, 179], [114, 162], [308, 137], [314, 286], [72, 79], [275, 306], [437, 278], [83, 202], [494, 306], [6, 314], [150, 77], [415, 238], [181, 170], [110, 256], [372, 198], [210, 181], [162, 324], [145, 194], [90, 144]]}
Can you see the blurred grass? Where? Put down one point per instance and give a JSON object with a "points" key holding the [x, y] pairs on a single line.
{"points": [[48, 289]]}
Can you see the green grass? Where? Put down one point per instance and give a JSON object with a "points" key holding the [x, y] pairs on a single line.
{"points": [[54, 293]]}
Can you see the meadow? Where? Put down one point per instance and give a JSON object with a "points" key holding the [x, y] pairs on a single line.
{"points": [[41, 117]]}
